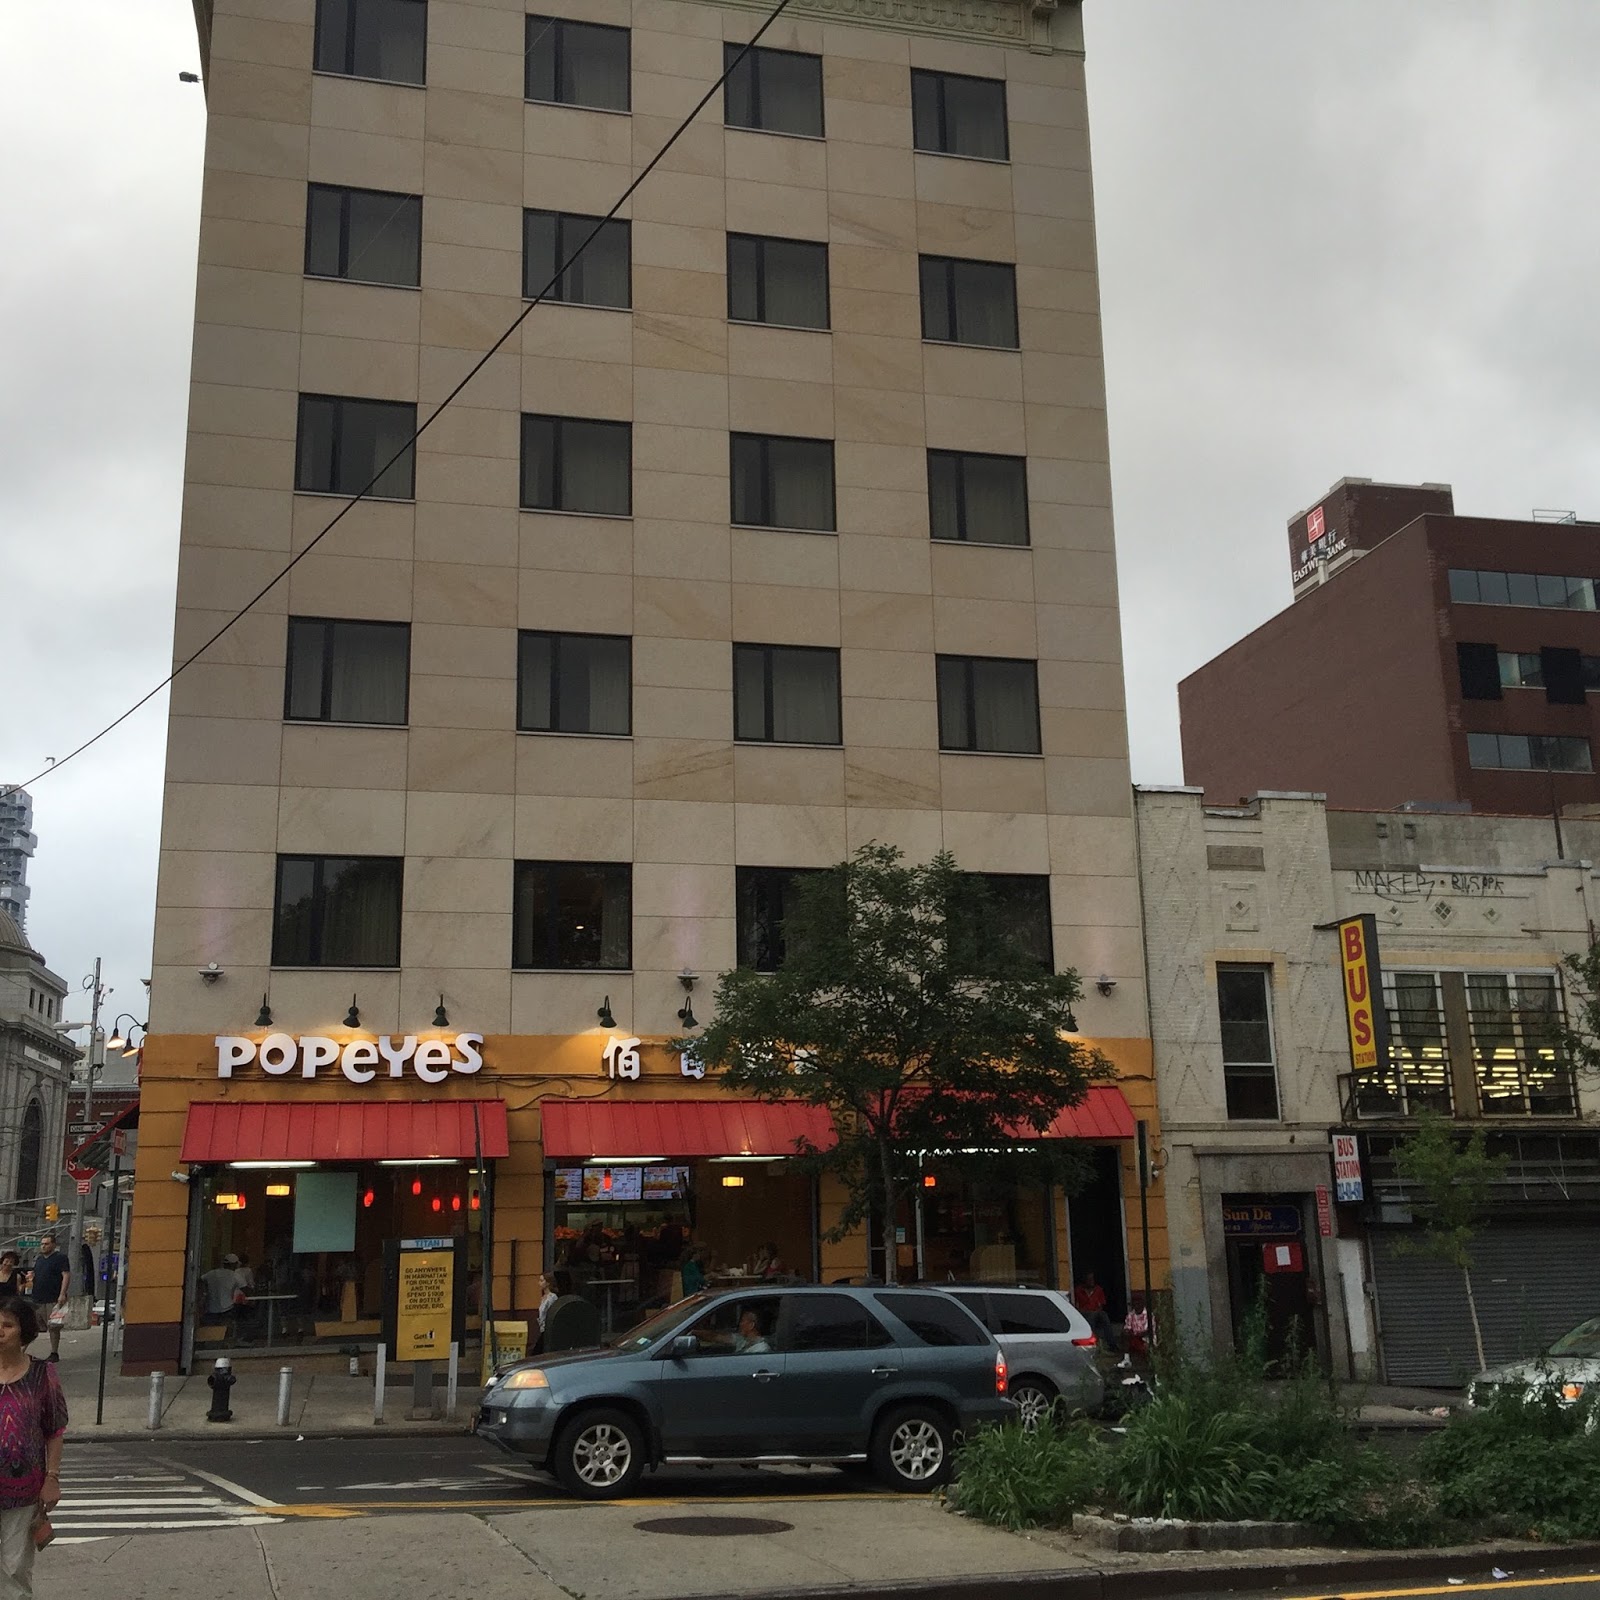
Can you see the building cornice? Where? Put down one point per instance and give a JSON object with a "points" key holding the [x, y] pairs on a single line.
{"points": [[1026, 23]]}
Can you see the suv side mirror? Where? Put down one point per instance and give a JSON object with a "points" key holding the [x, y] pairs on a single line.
{"points": [[684, 1345]]}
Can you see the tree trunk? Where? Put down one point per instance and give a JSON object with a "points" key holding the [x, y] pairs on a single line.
{"points": [[891, 1254], [1472, 1308]]}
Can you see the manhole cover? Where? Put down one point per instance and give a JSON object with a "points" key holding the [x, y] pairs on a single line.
{"points": [[713, 1527]]}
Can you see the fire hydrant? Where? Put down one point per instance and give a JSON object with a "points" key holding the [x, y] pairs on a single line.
{"points": [[220, 1382]]}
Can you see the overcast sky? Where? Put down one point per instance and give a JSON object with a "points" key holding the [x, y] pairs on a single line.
{"points": [[1348, 238]]}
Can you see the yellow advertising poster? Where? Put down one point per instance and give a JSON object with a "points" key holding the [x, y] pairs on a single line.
{"points": [[1358, 958], [510, 1343], [422, 1315]]}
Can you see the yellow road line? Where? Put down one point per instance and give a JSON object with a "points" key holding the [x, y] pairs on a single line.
{"points": [[1455, 1588]]}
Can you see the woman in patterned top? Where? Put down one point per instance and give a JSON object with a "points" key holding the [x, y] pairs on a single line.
{"points": [[33, 1421]]}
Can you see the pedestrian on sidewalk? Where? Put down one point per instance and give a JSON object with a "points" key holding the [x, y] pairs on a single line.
{"points": [[52, 1279], [33, 1425], [10, 1274]]}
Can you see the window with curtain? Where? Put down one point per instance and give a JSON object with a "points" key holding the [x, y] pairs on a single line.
{"points": [[344, 671], [988, 704], [576, 464], [337, 911], [572, 915], [969, 302], [601, 273], [763, 899], [977, 499], [956, 115], [1417, 1075], [574, 683], [786, 694], [577, 63], [363, 235], [343, 444], [386, 39], [1249, 1067], [1518, 1060], [778, 281], [772, 91], [781, 482]]}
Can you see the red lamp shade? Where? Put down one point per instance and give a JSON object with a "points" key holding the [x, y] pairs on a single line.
{"points": [[368, 1198], [416, 1186], [437, 1203]]}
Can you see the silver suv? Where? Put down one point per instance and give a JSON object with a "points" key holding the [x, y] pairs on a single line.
{"points": [[1047, 1344]]}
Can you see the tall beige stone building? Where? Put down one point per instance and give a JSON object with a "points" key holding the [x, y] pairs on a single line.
{"points": [[782, 526]]}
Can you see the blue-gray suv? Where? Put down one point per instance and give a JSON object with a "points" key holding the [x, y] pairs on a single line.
{"points": [[880, 1376]]}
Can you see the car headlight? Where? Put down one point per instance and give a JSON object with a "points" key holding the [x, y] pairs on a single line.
{"points": [[525, 1378], [1572, 1391]]}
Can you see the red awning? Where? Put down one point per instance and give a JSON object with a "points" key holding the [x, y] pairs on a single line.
{"points": [[585, 1129], [343, 1130], [1104, 1113]]}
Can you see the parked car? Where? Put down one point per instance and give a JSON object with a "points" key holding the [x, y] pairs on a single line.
{"points": [[1047, 1344], [1571, 1366], [838, 1375]]}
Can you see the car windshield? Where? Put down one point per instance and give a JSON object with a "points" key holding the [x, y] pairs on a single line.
{"points": [[1584, 1340], [644, 1334]]}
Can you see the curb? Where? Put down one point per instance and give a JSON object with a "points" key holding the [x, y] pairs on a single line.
{"points": [[1149, 1583]]}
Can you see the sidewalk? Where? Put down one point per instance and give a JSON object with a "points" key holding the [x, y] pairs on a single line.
{"points": [[322, 1404]]}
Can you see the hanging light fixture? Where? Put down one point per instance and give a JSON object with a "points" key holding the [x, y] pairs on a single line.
{"points": [[264, 1015], [604, 1014], [441, 1018], [352, 1018], [416, 1186]]}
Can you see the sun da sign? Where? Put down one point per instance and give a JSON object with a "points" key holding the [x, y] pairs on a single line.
{"points": [[281, 1055]]}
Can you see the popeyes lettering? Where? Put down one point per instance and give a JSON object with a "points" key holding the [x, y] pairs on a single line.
{"points": [[361, 1060]]}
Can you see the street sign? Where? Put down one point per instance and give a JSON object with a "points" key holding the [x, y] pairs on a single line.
{"points": [[83, 1185], [1324, 1212], [119, 1142], [82, 1130]]}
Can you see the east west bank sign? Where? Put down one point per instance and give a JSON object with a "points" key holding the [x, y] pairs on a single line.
{"points": [[281, 1055]]}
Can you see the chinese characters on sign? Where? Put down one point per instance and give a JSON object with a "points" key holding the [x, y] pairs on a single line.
{"points": [[621, 1058]]}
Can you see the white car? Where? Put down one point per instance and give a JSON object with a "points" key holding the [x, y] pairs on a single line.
{"points": [[1571, 1366]]}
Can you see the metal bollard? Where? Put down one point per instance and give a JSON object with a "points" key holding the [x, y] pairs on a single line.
{"points": [[158, 1387], [285, 1384]]}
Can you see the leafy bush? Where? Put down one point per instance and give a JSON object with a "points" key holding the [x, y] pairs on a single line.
{"points": [[1181, 1459], [1017, 1479]]}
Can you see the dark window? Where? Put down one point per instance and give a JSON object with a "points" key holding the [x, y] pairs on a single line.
{"points": [[773, 91], [343, 445], [978, 499], [974, 1302], [763, 899], [1028, 1313], [337, 911], [365, 235], [1522, 669], [1019, 913], [600, 274], [1530, 752], [1248, 1065], [786, 694], [1464, 586], [969, 302], [988, 704], [385, 39], [573, 914], [574, 683], [577, 63], [1469, 587], [1562, 670], [30, 1147], [343, 671], [781, 281], [828, 1322], [954, 115], [573, 464], [1479, 666], [934, 1318], [782, 482], [1591, 672]]}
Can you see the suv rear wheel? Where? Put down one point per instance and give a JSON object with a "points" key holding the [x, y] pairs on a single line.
{"points": [[1035, 1400], [599, 1454], [912, 1449]]}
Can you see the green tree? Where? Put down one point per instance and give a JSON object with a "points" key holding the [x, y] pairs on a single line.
{"points": [[1453, 1180], [908, 1008], [1580, 1034]]}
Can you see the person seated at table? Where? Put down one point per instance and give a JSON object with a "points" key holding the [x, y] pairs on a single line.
{"points": [[693, 1271], [750, 1340], [766, 1263]]}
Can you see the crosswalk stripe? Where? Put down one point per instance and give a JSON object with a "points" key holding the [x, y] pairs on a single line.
{"points": [[164, 1526], [110, 1494]]}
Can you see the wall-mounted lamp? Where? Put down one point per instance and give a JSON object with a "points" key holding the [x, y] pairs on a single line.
{"points": [[352, 1018], [604, 1014], [686, 1011], [733, 1180], [210, 972], [264, 1015], [1105, 985], [1071, 1023], [441, 1018]]}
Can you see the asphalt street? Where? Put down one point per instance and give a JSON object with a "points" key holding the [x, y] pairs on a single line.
{"points": [[172, 1484], [1557, 1586]]}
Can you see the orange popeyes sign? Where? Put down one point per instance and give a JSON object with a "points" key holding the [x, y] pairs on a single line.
{"points": [[1363, 990]]}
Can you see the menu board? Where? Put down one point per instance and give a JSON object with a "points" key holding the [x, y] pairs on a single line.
{"points": [[577, 1184], [666, 1183], [613, 1183], [569, 1183]]}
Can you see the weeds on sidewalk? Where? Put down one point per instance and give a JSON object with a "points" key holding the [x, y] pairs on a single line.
{"points": [[1016, 1479]]}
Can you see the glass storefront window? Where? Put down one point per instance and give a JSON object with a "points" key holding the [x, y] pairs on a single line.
{"points": [[304, 1246]]}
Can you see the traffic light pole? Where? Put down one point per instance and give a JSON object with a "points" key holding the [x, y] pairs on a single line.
{"points": [[75, 1247]]}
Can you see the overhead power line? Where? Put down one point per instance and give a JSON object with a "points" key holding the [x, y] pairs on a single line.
{"points": [[477, 367]]}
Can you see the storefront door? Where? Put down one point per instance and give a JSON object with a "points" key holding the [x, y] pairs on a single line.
{"points": [[725, 1400], [1269, 1273]]}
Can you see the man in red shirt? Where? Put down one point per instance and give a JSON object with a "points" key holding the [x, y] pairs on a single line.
{"points": [[1090, 1299]]}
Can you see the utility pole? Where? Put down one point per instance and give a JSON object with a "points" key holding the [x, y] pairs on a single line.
{"points": [[96, 994]]}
